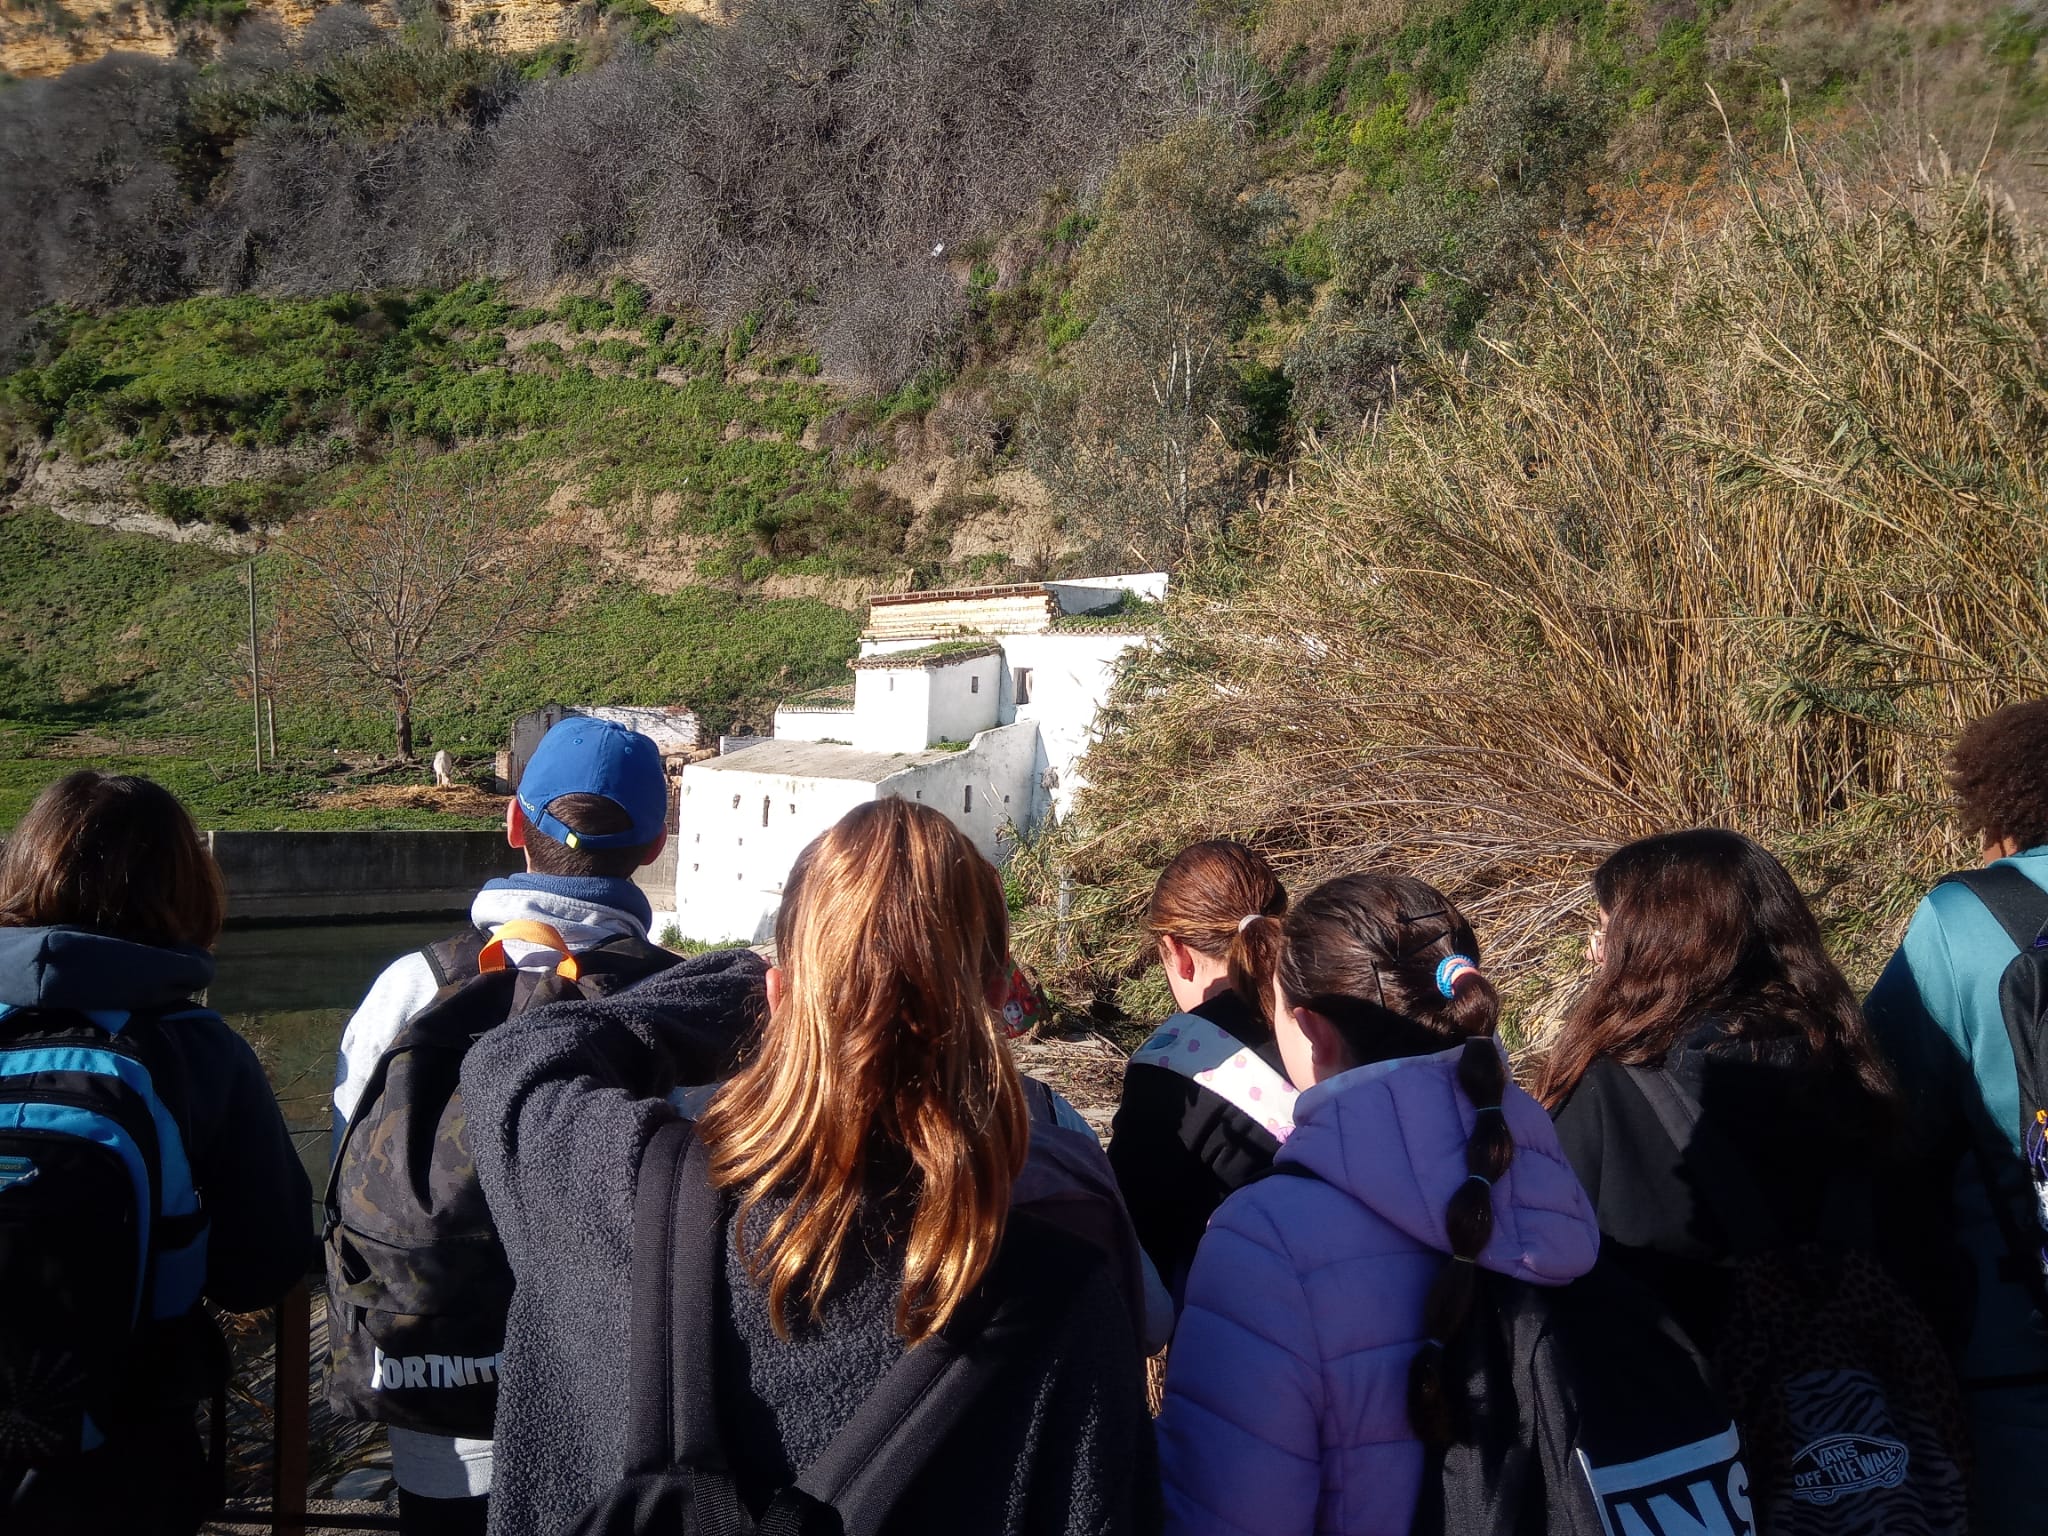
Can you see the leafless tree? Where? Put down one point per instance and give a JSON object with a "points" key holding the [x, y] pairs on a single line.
{"points": [[410, 584], [1137, 437]]}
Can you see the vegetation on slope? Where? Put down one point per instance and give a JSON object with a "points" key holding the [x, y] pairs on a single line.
{"points": [[123, 650], [1735, 526]]}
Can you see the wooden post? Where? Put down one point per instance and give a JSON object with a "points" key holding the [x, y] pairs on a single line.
{"points": [[270, 726], [255, 670], [291, 1374]]}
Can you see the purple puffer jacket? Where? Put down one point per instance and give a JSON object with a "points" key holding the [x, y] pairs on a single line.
{"points": [[1286, 1394]]}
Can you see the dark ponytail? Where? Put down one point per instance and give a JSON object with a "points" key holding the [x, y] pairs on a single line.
{"points": [[1488, 1151], [1394, 966]]}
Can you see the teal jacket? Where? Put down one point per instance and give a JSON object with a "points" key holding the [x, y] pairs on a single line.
{"points": [[1935, 1010]]}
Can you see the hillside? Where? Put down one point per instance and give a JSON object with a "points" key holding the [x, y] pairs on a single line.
{"points": [[757, 317]]}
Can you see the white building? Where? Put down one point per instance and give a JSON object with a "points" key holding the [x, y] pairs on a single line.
{"points": [[672, 727], [979, 701]]}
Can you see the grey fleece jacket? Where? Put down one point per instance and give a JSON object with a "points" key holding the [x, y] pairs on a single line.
{"points": [[564, 1101]]}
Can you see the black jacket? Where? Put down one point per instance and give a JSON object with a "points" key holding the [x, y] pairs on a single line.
{"points": [[564, 1101], [1796, 1128], [1178, 1148]]}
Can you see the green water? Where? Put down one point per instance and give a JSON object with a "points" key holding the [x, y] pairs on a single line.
{"points": [[289, 991]]}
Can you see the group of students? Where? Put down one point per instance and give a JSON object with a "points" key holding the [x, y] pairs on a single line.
{"points": [[720, 1244]]}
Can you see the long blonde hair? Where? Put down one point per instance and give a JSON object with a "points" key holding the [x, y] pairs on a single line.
{"points": [[892, 929]]}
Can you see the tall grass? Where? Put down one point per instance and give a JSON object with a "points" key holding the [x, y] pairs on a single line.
{"points": [[1736, 524]]}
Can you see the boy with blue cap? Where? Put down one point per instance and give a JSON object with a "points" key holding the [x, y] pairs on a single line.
{"points": [[590, 809]]}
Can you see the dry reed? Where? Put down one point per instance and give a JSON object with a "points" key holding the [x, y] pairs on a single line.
{"points": [[1735, 524]]}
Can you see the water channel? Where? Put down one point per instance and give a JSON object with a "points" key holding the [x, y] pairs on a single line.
{"points": [[289, 990]]}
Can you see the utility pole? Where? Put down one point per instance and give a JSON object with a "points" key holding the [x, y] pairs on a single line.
{"points": [[255, 671]]}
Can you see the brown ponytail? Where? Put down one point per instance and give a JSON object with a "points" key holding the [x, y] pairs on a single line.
{"points": [[1366, 952], [1203, 899]]}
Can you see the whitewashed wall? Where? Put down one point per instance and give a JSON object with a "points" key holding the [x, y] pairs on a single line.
{"points": [[965, 696], [999, 766], [1071, 674], [892, 709], [730, 867], [814, 725]]}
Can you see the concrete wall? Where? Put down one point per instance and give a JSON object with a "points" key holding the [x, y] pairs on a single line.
{"points": [[983, 790], [672, 728], [273, 875], [1092, 592], [814, 725]]}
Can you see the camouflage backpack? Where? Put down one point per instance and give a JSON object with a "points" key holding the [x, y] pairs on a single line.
{"points": [[417, 1282]]}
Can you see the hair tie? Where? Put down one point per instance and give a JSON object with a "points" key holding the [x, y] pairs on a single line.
{"points": [[1464, 1258], [1482, 1178], [1450, 968], [1490, 1109], [1247, 920]]}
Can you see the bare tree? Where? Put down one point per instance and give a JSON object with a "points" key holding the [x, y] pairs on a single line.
{"points": [[1136, 435], [411, 583]]}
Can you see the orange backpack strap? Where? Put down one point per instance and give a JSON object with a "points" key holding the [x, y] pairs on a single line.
{"points": [[493, 956]]}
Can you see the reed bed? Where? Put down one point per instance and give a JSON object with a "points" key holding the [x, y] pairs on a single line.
{"points": [[1734, 523]]}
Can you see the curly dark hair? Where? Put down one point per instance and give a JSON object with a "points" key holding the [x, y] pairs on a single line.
{"points": [[1998, 770]]}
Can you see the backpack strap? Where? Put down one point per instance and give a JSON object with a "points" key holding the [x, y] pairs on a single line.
{"points": [[672, 1406], [492, 956], [1211, 1056], [454, 959], [2019, 905], [1721, 1173]]}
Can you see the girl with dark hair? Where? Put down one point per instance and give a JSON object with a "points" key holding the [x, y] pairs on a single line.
{"points": [[1308, 1379], [1206, 1100], [109, 904], [1712, 972]]}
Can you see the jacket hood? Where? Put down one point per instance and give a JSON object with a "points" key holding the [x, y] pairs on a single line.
{"points": [[1392, 1136], [72, 968]]}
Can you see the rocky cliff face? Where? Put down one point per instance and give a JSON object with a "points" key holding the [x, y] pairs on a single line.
{"points": [[45, 37]]}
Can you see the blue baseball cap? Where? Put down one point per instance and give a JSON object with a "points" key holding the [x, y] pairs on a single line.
{"points": [[582, 756]]}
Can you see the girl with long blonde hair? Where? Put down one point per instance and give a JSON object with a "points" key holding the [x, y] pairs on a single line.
{"points": [[862, 1160]]}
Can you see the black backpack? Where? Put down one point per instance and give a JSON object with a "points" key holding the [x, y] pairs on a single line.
{"points": [[2021, 908], [678, 1481], [1586, 1412], [418, 1286], [102, 1235], [1848, 1404], [1583, 1410]]}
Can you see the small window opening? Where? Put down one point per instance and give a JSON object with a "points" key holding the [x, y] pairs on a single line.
{"points": [[764, 810], [974, 683], [967, 798], [1023, 685], [735, 802], [892, 685]]}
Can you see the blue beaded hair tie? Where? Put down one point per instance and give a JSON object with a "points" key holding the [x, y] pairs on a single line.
{"points": [[1450, 968]]}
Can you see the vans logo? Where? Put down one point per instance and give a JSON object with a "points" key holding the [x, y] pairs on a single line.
{"points": [[1839, 1465], [1700, 1489], [15, 1172], [395, 1373]]}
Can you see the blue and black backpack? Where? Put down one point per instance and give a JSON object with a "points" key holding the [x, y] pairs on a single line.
{"points": [[102, 1233]]}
